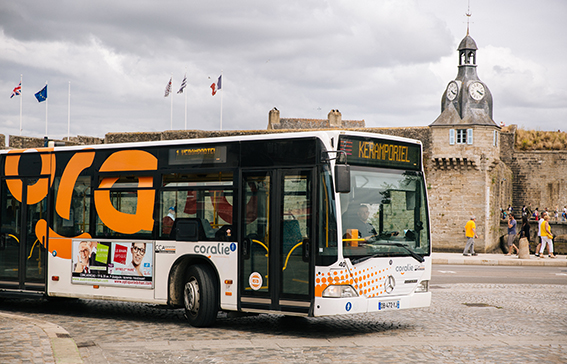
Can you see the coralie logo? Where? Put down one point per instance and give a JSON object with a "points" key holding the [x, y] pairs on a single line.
{"points": [[218, 249]]}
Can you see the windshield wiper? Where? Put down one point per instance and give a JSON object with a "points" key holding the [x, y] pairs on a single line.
{"points": [[416, 256]]}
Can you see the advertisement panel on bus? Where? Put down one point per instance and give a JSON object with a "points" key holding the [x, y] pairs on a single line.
{"points": [[113, 263]]}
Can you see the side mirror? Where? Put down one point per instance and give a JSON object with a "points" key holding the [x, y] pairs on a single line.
{"points": [[342, 178]]}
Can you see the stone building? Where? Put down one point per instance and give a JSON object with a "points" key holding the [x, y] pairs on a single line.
{"points": [[465, 166]]}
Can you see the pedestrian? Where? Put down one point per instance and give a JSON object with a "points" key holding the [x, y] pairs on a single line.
{"points": [[525, 232], [470, 233], [540, 221], [546, 238], [536, 214], [512, 234], [556, 213]]}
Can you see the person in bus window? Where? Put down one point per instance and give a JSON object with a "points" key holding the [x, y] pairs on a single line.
{"points": [[138, 252], [365, 229], [167, 222]]}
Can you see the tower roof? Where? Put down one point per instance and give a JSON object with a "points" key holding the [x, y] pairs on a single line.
{"points": [[467, 43]]}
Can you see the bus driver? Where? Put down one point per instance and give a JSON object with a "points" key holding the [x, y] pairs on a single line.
{"points": [[365, 229]]}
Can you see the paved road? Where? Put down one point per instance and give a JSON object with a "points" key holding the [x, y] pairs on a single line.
{"points": [[465, 323], [447, 274]]}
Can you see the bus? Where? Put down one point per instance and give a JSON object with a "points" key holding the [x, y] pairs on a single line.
{"points": [[315, 223]]}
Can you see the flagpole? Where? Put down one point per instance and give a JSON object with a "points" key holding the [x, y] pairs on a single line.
{"points": [[46, 101], [21, 97], [69, 114], [222, 92], [171, 117]]}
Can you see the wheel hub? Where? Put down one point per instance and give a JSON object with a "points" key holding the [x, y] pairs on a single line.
{"points": [[191, 296]]}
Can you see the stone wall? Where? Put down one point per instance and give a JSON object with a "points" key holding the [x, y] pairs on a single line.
{"points": [[22, 142], [506, 140], [84, 140], [540, 178], [334, 120]]}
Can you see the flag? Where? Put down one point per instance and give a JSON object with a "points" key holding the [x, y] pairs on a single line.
{"points": [[216, 86], [183, 84], [42, 94], [17, 90], [168, 88]]}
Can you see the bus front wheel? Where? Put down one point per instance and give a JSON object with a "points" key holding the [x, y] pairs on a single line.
{"points": [[200, 296]]}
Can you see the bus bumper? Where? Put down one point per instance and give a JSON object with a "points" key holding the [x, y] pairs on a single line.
{"points": [[362, 304]]}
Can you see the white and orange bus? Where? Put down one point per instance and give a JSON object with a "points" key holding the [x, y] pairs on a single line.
{"points": [[309, 223]]}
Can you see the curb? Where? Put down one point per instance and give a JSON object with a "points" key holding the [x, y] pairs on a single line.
{"points": [[495, 259], [62, 345]]}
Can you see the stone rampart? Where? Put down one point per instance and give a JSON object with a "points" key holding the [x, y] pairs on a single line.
{"points": [[540, 178]]}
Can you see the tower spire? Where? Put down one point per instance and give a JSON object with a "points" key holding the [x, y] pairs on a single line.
{"points": [[468, 14]]}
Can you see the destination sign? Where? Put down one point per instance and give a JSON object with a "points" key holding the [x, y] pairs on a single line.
{"points": [[198, 155], [380, 152]]}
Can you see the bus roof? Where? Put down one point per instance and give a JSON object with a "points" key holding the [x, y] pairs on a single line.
{"points": [[324, 135]]}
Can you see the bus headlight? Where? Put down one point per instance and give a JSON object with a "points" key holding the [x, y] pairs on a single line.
{"points": [[339, 291], [422, 286]]}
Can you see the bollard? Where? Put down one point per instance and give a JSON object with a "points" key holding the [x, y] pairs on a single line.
{"points": [[524, 247]]}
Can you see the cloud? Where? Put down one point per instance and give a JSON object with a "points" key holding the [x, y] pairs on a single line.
{"points": [[387, 61]]}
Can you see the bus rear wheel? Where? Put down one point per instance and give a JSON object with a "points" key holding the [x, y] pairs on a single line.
{"points": [[200, 296]]}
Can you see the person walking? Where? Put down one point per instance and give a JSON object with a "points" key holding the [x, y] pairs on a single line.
{"points": [[546, 238], [470, 233], [540, 221], [512, 234]]}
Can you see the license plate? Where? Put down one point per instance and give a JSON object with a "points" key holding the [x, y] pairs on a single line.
{"points": [[388, 305]]}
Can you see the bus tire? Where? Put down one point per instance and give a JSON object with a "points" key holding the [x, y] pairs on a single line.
{"points": [[200, 297]]}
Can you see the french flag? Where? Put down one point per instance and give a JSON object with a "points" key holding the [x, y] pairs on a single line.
{"points": [[217, 86]]}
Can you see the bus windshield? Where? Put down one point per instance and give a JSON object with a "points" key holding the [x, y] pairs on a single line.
{"points": [[385, 214]]}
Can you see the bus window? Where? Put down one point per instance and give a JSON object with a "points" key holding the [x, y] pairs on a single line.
{"points": [[207, 197], [124, 206], [327, 247], [384, 207], [79, 214]]}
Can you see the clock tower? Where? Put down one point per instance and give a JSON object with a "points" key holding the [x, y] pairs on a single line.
{"points": [[465, 170], [466, 96]]}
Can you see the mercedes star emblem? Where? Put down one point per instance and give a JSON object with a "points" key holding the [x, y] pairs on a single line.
{"points": [[390, 284]]}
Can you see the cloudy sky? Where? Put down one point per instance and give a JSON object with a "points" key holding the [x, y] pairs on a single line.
{"points": [[384, 61]]}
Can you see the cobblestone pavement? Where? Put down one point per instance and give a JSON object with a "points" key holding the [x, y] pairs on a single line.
{"points": [[465, 323]]}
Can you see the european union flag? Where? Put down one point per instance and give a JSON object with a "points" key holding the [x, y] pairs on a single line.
{"points": [[42, 94]]}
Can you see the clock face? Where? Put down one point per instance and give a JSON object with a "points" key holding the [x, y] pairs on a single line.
{"points": [[476, 90], [452, 91]]}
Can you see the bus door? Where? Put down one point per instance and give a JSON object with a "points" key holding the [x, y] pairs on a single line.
{"points": [[276, 240], [22, 255]]}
